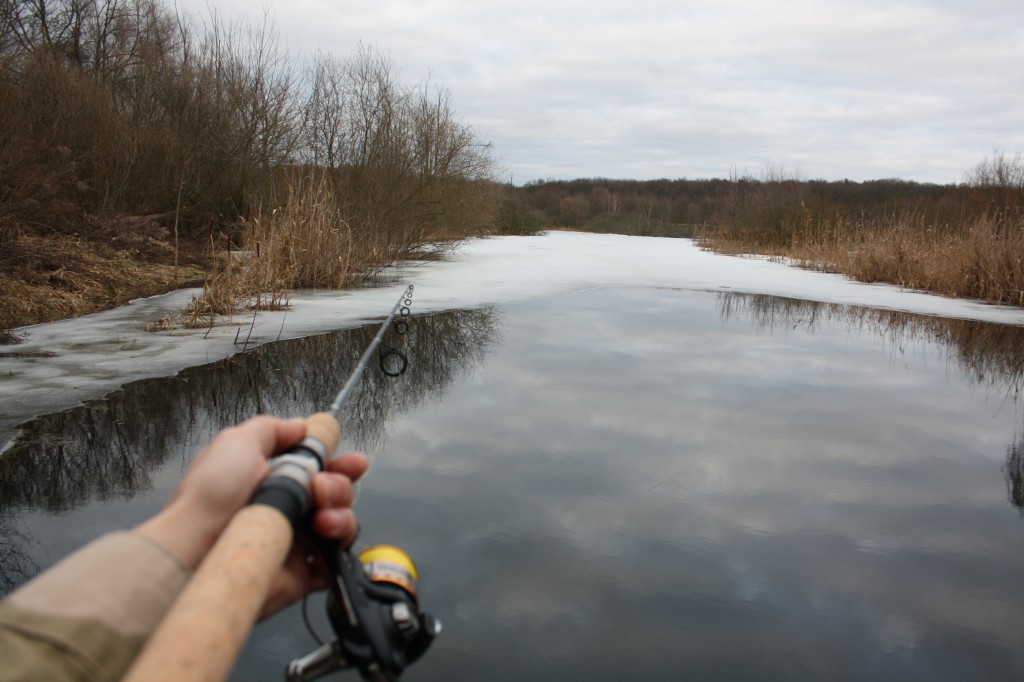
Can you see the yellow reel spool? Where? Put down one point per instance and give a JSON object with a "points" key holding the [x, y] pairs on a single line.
{"points": [[388, 564]]}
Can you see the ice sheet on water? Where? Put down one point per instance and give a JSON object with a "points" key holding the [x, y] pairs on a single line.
{"points": [[64, 363]]}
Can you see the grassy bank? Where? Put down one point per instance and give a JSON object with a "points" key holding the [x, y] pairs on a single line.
{"points": [[965, 240], [980, 257], [54, 276]]}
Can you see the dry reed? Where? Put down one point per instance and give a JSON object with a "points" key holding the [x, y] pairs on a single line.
{"points": [[965, 241], [305, 243], [981, 258]]}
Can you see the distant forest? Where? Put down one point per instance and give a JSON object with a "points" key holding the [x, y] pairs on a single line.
{"points": [[683, 207], [963, 239]]}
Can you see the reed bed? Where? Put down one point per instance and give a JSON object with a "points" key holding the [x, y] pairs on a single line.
{"points": [[305, 243], [319, 237], [962, 240], [981, 258]]}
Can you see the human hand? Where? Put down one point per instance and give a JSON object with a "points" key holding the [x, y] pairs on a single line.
{"points": [[222, 478]]}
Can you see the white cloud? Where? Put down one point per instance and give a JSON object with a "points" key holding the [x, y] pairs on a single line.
{"points": [[920, 90]]}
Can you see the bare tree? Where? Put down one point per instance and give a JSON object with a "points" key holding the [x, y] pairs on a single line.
{"points": [[1000, 170]]}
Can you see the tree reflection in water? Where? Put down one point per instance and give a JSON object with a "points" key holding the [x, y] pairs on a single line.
{"points": [[107, 448], [985, 353], [16, 564], [1013, 471], [110, 448]]}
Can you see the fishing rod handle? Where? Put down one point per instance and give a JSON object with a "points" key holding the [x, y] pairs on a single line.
{"points": [[287, 486]]}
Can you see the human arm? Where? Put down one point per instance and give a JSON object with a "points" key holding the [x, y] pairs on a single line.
{"points": [[88, 617], [222, 478]]}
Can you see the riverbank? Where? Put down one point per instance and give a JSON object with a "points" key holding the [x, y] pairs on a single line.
{"points": [[119, 148], [980, 257], [61, 364], [56, 276], [962, 240]]}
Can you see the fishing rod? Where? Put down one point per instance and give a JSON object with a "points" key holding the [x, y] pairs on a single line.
{"points": [[372, 604], [401, 327]]}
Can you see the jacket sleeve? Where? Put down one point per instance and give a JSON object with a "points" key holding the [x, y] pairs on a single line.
{"points": [[87, 617]]}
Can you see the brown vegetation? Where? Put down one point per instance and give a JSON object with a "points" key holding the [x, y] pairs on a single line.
{"points": [[965, 240], [962, 240], [133, 141], [322, 170], [49, 277], [385, 170]]}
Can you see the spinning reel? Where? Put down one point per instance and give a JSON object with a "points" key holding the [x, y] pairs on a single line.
{"points": [[373, 609]]}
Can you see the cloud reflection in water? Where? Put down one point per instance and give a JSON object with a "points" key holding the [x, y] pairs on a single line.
{"points": [[670, 484], [632, 483]]}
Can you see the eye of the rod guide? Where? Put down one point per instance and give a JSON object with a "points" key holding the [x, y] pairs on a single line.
{"points": [[393, 362]]}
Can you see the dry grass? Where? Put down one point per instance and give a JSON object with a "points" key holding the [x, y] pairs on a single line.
{"points": [[222, 292], [965, 240], [46, 278], [323, 236], [981, 258], [305, 243]]}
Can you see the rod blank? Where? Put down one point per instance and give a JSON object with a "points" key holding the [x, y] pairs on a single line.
{"points": [[353, 379]]}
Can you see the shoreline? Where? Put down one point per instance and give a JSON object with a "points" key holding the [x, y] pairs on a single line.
{"points": [[71, 361]]}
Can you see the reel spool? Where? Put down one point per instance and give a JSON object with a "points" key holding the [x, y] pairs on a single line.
{"points": [[374, 611], [389, 564]]}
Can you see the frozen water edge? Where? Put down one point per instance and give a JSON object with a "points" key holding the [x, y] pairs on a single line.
{"points": [[95, 354]]}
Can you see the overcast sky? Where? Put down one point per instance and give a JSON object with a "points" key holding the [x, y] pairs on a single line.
{"points": [[915, 89]]}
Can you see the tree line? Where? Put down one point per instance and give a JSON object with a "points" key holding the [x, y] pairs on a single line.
{"points": [[129, 107], [325, 168], [964, 239], [773, 201]]}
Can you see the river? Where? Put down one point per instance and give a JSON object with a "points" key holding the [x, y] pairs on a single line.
{"points": [[625, 480]]}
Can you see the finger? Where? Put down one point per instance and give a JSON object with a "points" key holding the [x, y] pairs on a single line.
{"points": [[289, 432], [335, 524], [272, 434], [331, 490], [351, 464]]}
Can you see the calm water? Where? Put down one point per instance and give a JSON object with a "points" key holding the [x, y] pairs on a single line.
{"points": [[626, 483]]}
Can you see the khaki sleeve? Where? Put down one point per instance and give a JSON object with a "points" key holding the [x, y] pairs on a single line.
{"points": [[87, 617]]}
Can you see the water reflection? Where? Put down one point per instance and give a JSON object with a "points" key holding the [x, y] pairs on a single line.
{"points": [[666, 484], [789, 493], [985, 353], [991, 355], [108, 449], [1014, 473], [16, 561]]}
